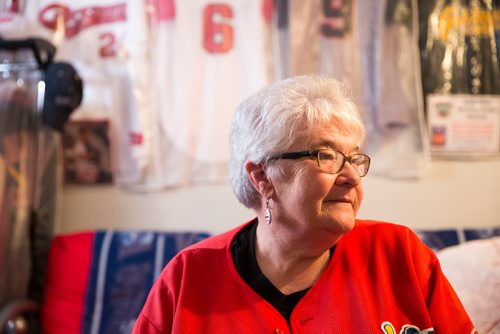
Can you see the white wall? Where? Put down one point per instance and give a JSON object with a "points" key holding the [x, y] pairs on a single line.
{"points": [[452, 194]]}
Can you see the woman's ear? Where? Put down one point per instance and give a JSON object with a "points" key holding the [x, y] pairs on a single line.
{"points": [[259, 178]]}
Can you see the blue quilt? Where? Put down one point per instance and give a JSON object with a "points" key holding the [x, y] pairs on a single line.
{"points": [[439, 239], [124, 266]]}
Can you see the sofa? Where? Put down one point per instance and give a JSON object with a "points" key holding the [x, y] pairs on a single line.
{"points": [[98, 281]]}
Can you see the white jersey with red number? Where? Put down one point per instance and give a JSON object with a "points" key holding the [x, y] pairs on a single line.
{"points": [[210, 56], [107, 42], [12, 19]]}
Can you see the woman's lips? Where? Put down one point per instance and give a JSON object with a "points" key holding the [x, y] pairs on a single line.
{"points": [[343, 200]]}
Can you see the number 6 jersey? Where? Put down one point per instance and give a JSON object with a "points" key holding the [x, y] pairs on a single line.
{"points": [[209, 56]]}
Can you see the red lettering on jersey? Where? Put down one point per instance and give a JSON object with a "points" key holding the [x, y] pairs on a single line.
{"points": [[57, 16], [12, 6], [136, 138], [217, 33], [9, 10], [164, 9], [267, 10]]}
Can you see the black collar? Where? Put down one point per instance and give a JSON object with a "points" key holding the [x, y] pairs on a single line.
{"points": [[243, 251]]}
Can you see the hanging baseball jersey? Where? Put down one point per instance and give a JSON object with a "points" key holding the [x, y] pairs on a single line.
{"points": [[304, 37], [372, 48], [280, 39], [12, 18], [399, 143], [209, 57], [460, 50], [322, 39], [106, 41]]}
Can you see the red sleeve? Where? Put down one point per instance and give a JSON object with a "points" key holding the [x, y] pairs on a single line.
{"points": [[444, 307], [144, 326], [157, 315]]}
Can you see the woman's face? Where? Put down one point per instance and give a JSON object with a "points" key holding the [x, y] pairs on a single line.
{"points": [[309, 200]]}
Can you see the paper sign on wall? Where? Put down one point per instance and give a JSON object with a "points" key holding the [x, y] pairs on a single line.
{"points": [[464, 126]]}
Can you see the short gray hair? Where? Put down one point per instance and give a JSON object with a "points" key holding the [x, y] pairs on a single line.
{"points": [[272, 119]]}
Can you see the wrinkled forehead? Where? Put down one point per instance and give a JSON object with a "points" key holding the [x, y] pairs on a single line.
{"points": [[335, 133]]}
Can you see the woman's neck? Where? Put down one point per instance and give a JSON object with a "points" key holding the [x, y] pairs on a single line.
{"points": [[289, 269]]}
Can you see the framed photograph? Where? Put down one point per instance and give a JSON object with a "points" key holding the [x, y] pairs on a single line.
{"points": [[87, 158]]}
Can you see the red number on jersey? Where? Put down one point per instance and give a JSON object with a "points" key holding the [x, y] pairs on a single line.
{"points": [[217, 33], [337, 16], [12, 6], [108, 48]]}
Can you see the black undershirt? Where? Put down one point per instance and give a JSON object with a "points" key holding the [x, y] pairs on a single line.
{"points": [[243, 251]]}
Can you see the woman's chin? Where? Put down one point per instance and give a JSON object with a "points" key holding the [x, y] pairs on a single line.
{"points": [[341, 223]]}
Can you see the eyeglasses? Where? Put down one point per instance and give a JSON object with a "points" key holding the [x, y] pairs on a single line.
{"points": [[329, 160]]}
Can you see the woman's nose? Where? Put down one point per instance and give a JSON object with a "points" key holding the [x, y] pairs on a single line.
{"points": [[348, 175]]}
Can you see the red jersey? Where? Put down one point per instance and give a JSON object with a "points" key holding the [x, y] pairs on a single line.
{"points": [[380, 279]]}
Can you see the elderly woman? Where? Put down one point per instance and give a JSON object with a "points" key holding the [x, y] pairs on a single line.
{"points": [[304, 264]]}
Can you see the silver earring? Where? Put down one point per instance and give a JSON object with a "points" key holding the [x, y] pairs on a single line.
{"points": [[267, 213]]}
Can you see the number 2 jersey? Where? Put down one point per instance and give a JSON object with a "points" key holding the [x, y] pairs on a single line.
{"points": [[107, 42]]}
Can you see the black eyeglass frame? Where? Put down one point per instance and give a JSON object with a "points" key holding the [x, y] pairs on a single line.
{"points": [[315, 154]]}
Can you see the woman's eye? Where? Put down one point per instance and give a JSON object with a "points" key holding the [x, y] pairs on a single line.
{"points": [[357, 159], [326, 156]]}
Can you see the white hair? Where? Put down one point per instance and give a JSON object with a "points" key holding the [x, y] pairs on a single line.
{"points": [[272, 119]]}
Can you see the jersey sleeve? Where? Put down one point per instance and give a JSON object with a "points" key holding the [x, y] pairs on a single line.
{"points": [[144, 326], [157, 315], [445, 309]]}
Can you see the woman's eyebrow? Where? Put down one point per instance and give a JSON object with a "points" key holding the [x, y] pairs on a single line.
{"points": [[331, 144], [323, 143]]}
